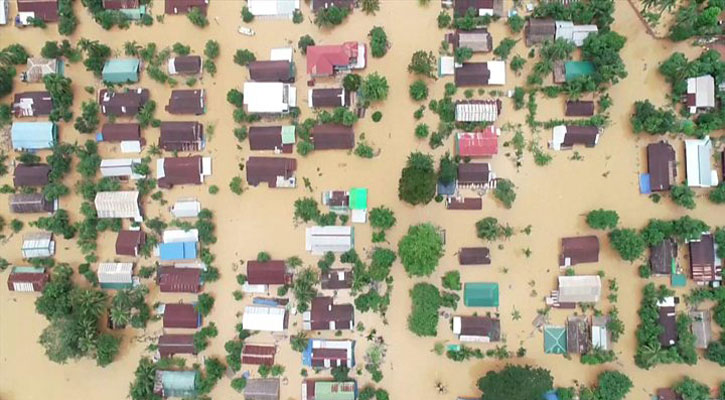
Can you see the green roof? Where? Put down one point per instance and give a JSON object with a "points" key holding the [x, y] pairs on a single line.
{"points": [[334, 390], [481, 294], [179, 383], [28, 270], [288, 134], [678, 280], [133, 13], [575, 69], [554, 340], [358, 199], [121, 70]]}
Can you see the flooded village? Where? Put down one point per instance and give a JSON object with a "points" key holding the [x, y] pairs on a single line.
{"points": [[284, 199]]}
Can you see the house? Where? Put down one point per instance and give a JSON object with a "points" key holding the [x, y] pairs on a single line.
{"points": [[555, 340], [120, 4], [262, 274], [342, 202], [187, 102], [174, 279], [337, 200], [325, 353], [336, 279], [328, 390], [171, 171], [700, 94], [254, 354], [577, 335], [321, 239], [474, 256], [170, 345], [31, 203], [479, 7], [464, 203], [579, 108], [324, 315], [264, 318], [704, 266], [332, 137], [122, 168], [539, 30], [478, 144], [327, 60], [181, 315], [186, 208], [480, 294], [281, 9], [477, 329], [565, 137], [272, 71], [481, 73], [667, 394], [180, 236], [121, 70], [129, 243], [330, 97], [182, 136], [663, 258], [176, 383], [576, 34], [579, 289], [32, 104], [318, 5], [27, 279], [661, 166], [38, 245], [280, 139], [38, 68], [446, 66], [4, 11], [601, 336], [31, 175], [275, 171], [262, 389], [175, 251], [184, 6], [115, 275], [184, 65], [478, 40], [44, 10], [359, 205], [668, 321], [120, 133], [698, 163], [478, 110], [122, 104], [567, 71], [701, 327], [33, 135], [475, 175], [121, 204], [269, 97], [578, 250]]}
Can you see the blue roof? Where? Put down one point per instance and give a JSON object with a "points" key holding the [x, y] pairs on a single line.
{"points": [[177, 251], [645, 184], [444, 189], [33, 135]]}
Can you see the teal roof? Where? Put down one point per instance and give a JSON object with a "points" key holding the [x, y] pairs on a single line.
{"points": [[28, 270], [358, 199], [554, 340], [335, 390], [288, 134], [33, 135], [121, 70], [179, 383], [481, 294], [575, 69], [133, 13]]}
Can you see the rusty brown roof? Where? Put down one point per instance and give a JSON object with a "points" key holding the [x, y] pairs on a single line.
{"points": [[702, 259], [187, 64], [178, 280], [661, 166], [267, 169], [579, 249], [473, 173], [186, 102], [184, 6], [128, 243], [472, 74], [181, 315], [121, 132], [267, 138], [126, 103], [329, 97], [336, 279], [323, 312], [171, 344], [474, 256], [661, 256], [579, 108], [46, 10], [31, 104], [271, 71], [181, 171], [333, 137], [273, 272], [31, 175], [481, 326], [181, 136]]}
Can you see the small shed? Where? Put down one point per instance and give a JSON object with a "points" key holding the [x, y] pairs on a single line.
{"points": [[478, 144], [477, 329], [336, 279], [663, 258], [701, 327], [579, 108], [326, 353], [174, 279], [332, 137], [272, 71], [31, 175], [182, 136], [38, 245], [184, 65], [478, 110], [115, 275], [280, 139], [277, 172], [464, 203], [32, 104], [555, 340], [667, 394], [329, 390], [325, 315], [187, 102], [33, 135], [170, 345], [481, 294], [264, 318], [577, 335], [321, 239], [121, 70], [474, 256], [262, 389], [121, 204], [38, 67], [254, 354], [601, 336], [31, 203], [176, 383], [27, 279], [129, 243], [181, 315], [177, 251], [327, 97], [186, 208], [578, 250], [122, 168]]}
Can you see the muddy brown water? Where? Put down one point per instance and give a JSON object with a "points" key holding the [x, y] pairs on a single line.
{"points": [[551, 199]]}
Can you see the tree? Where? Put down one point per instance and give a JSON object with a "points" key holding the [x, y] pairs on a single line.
{"points": [[306, 209], [691, 389], [14, 54], [602, 49], [331, 16], [422, 131], [382, 218], [504, 48], [517, 63], [107, 348], [61, 93], [417, 182], [628, 243], [58, 223], [444, 19], [420, 249], [683, 196], [239, 384], [452, 280], [351, 82], [423, 318], [378, 42], [370, 6], [602, 219], [235, 98], [374, 88], [247, 15], [650, 119], [463, 54], [504, 192], [303, 288], [142, 387], [489, 229], [204, 304], [304, 42], [612, 385], [717, 195], [422, 63], [447, 169], [88, 121], [96, 55], [197, 18], [67, 20], [516, 382], [340, 373], [516, 23], [418, 90], [7, 74], [211, 49], [244, 57]]}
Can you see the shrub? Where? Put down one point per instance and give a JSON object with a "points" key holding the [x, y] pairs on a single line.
{"points": [[236, 185], [683, 196], [378, 42], [504, 192], [420, 249], [423, 318], [197, 17], [628, 243], [247, 15], [418, 90], [244, 57], [305, 41], [377, 116], [602, 219], [422, 131], [452, 280]]}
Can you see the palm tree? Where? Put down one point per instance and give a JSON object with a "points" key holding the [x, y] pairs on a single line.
{"points": [[119, 317], [89, 303], [370, 6]]}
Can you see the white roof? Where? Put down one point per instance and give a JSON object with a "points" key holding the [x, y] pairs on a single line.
{"points": [[117, 205], [321, 239], [281, 54], [703, 87], [273, 8], [446, 66], [115, 272], [361, 58], [574, 33], [557, 137], [130, 146], [668, 301], [579, 289], [457, 325], [477, 112], [38, 244], [498, 72], [180, 235], [186, 208], [4, 12], [269, 97], [698, 163], [264, 318], [120, 167]]}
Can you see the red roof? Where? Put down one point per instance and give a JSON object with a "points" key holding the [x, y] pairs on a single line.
{"points": [[181, 315], [178, 280], [258, 355], [478, 144], [272, 272], [321, 60]]}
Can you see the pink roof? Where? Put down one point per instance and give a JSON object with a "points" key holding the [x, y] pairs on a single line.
{"points": [[321, 60], [478, 144]]}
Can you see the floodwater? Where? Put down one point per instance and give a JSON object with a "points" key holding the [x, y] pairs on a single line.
{"points": [[551, 199]]}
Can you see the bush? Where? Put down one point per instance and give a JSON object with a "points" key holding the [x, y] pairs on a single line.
{"points": [[236, 185], [377, 116], [211, 49], [351, 82], [382, 218], [717, 195], [247, 15], [489, 229], [243, 57], [683, 196], [331, 16], [602, 219], [423, 63], [306, 209], [444, 20], [644, 271], [516, 23], [305, 41], [504, 192], [213, 189], [422, 131], [418, 90], [420, 249], [378, 42], [504, 48], [239, 384], [197, 18], [627, 243], [374, 88], [423, 318], [452, 280]]}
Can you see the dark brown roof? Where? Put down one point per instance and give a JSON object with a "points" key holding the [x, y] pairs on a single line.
{"points": [[38, 280], [121, 132], [320, 4], [171, 344], [333, 137], [473, 173], [267, 169], [31, 175], [577, 335], [661, 166], [667, 394], [178, 280], [271, 71], [267, 138], [460, 7], [119, 4], [467, 203], [702, 259], [336, 279], [668, 321], [338, 198], [184, 6], [128, 243], [30, 203], [586, 135], [481, 326], [258, 354], [273, 272], [539, 30], [181, 315], [47, 10], [323, 313], [328, 357], [181, 136], [661, 256], [31, 104], [186, 102], [125, 103], [472, 74], [579, 249], [579, 108], [181, 171], [335, 97], [188, 65], [474, 256]]}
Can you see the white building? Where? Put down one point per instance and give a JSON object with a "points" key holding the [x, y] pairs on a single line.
{"points": [[120, 167], [273, 8], [264, 318], [115, 275], [186, 208], [118, 205], [180, 236], [574, 33], [4, 11], [700, 93], [38, 245], [269, 97], [580, 289], [698, 163], [321, 239], [478, 110]]}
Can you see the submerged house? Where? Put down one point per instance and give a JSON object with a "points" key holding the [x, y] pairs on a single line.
{"points": [[576, 34], [579, 108], [577, 335], [567, 71], [170, 345], [700, 94], [44, 10], [477, 329], [668, 321], [481, 294], [269, 97], [122, 168], [280, 139], [181, 315], [121, 70], [31, 203], [324, 315], [27, 279], [705, 267], [186, 208], [579, 250], [182, 136], [327, 60], [31, 175], [336, 279], [261, 389], [278, 9], [182, 384], [122, 104], [701, 327], [32, 104], [175, 279], [576, 289], [184, 6], [663, 258], [184, 65], [33, 135], [120, 204], [482, 143], [123, 133], [38, 68], [321, 239], [565, 137], [329, 97], [474, 256], [129, 243], [187, 102], [38, 245], [260, 275], [173, 171], [478, 40], [115, 275], [480, 74], [475, 175], [255, 354], [698, 163], [478, 110], [601, 336], [328, 390], [539, 30], [264, 318], [275, 171], [479, 7], [326, 353], [661, 166], [332, 137], [272, 71]]}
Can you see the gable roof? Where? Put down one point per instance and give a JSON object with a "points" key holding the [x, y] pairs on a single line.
{"points": [[577, 338], [324, 315], [474, 256], [118, 132], [271, 71], [661, 165], [119, 204], [698, 163], [273, 272], [481, 294], [579, 289], [31, 175], [172, 344], [701, 327], [273, 8], [474, 173], [478, 110], [186, 65], [264, 318], [323, 59], [179, 171], [46, 10], [184, 6], [181, 315], [328, 97], [187, 102], [703, 264], [33, 135], [700, 93], [31, 104], [258, 354], [181, 136], [262, 389], [128, 243], [478, 40], [31, 203], [276, 138], [336, 279], [667, 319], [332, 137], [579, 108], [320, 4], [478, 144], [477, 326], [538, 30], [272, 170], [126, 103], [579, 249], [172, 279], [663, 257], [480, 7], [481, 73], [567, 136]]}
